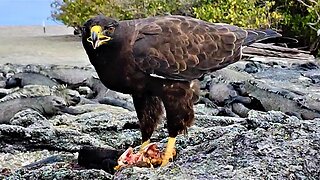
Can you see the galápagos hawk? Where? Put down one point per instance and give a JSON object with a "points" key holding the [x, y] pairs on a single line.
{"points": [[158, 61]]}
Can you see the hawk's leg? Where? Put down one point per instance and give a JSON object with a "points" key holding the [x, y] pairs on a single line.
{"points": [[180, 115], [149, 111], [169, 152]]}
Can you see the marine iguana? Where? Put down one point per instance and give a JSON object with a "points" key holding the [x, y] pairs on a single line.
{"points": [[46, 105], [18, 68], [29, 78], [71, 97], [69, 75], [281, 89], [45, 74], [290, 102], [103, 95], [73, 76], [47, 101]]}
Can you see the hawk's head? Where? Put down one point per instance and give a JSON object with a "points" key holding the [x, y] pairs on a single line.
{"points": [[99, 30]]}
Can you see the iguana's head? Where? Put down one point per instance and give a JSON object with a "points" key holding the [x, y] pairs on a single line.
{"points": [[58, 102], [71, 97]]}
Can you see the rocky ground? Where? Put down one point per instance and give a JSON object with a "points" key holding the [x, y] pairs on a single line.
{"points": [[256, 119]]}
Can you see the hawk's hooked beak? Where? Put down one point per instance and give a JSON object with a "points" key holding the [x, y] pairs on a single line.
{"points": [[97, 38]]}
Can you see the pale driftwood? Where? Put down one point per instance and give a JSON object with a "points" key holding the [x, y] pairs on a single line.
{"points": [[278, 48], [280, 60], [276, 51]]}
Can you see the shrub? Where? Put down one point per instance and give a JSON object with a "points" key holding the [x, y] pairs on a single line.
{"points": [[244, 13], [291, 16], [296, 17], [75, 12]]}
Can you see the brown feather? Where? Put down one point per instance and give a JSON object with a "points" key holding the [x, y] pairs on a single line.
{"points": [[192, 44]]}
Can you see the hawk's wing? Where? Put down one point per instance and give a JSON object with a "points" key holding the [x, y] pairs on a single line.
{"points": [[184, 48]]}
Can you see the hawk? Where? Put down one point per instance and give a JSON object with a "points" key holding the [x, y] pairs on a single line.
{"points": [[158, 60]]}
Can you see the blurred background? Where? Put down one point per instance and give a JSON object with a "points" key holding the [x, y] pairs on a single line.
{"points": [[25, 12], [292, 18]]}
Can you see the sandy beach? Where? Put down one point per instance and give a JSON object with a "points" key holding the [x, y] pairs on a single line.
{"points": [[29, 45]]}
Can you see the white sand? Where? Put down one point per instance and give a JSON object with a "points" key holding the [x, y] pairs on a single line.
{"points": [[29, 45]]}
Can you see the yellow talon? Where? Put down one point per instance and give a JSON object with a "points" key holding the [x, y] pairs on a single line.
{"points": [[118, 167], [169, 152], [144, 144]]}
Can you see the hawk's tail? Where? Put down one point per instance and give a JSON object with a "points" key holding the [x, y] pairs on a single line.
{"points": [[259, 35]]}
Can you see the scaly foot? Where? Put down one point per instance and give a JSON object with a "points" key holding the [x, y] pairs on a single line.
{"points": [[169, 152]]}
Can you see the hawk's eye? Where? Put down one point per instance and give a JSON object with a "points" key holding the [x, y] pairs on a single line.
{"points": [[109, 30]]}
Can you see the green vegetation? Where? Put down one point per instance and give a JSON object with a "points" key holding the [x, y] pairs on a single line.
{"points": [[297, 18], [292, 17], [75, 12], [244, 13]]}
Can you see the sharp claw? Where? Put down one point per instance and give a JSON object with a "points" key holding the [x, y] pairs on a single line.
{"points": [[118, 167]]}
